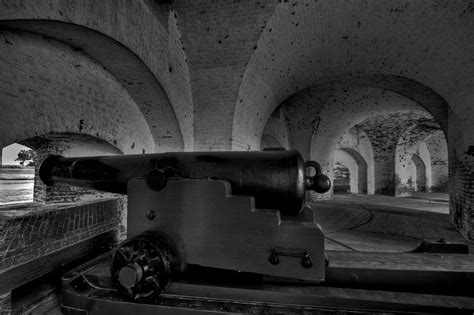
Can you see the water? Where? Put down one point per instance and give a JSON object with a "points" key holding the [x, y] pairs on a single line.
{"points": [[16, 185]]}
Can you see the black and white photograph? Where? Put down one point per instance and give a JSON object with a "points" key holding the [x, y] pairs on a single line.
{"points": [[236, 157]]}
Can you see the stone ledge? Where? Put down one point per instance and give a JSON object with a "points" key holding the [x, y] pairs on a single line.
{"points": [[43, 229]]}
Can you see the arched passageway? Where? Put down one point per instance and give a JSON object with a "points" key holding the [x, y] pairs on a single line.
{"points": [[357, 168], [400, 59], [415, 145], [342, 180]]}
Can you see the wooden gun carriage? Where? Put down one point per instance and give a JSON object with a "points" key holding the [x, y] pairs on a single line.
{"points": [[215, 226]]}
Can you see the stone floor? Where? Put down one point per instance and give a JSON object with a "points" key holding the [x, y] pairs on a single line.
{"points": [[383, 223]]}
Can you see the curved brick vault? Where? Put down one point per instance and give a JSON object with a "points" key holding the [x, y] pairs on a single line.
{"points": [[319, 116], [412, 146], [385, 133], [48, 87], [216, 71], [307, 43], [137, 41]]}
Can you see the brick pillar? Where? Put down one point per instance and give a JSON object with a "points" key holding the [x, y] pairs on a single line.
{"points": [[462, 196], [385, 178], [384, 144], [437, 147]]}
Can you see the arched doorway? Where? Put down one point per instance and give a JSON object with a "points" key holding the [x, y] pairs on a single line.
{"points": [[356, 171], [342, 178], [420, 173], [17, 172]]}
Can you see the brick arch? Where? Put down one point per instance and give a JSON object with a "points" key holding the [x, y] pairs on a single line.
{"points": [[296, 51], [321, 115], [69, 145], [48, 87], [413, 151], [362, 170], [247, 123], [324, 114], [155, 75]]}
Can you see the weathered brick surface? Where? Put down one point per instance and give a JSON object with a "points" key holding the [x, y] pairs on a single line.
{"points": [[68, 145], [224, 66], [385, 132], [317, 117], [48, 87], [324, 112], [309, 42], [438, 149], [149, 30], [462, 193], [32, 230], [219, 38], [413, 155]]}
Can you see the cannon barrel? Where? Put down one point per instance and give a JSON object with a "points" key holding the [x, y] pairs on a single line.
{"points": [[277, 179]]}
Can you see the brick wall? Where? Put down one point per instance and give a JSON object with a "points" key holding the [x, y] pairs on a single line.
{"points": [[30, 230], [152, 34], [219, 39], [437, 147], [385, 133]]}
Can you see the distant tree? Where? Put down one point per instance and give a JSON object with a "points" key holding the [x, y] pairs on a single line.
{"points": [[26, 156]]}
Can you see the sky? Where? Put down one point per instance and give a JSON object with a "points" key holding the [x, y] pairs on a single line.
{"points": [[10, 153]]}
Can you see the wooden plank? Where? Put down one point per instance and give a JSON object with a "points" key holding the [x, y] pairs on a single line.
{"points": [[246, 295], [450, 274], [37, 298], [16, 276], [402, 261], [210, 227], [324, 297]]}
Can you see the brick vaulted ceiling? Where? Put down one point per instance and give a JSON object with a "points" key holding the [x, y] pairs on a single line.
{"points": [[226, 65], [306, 43]]}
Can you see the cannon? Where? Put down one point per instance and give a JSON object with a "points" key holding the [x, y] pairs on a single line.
{"points": [[241, 211], [229, 231], [276, 179]]}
